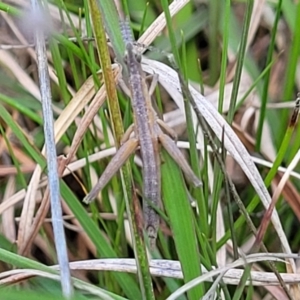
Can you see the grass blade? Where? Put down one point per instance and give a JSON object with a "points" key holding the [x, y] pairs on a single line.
{"points": [[139, 247], [57, 222], [267, 78], [181, 218], [240, 62]]}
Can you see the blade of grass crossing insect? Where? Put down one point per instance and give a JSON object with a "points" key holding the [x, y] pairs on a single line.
{"points": [[138, 242], [104, 58], [264, 98], [181, 218], [140, 251]]}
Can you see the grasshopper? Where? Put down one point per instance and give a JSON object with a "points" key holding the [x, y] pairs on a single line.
{"points": [[148, 134]]}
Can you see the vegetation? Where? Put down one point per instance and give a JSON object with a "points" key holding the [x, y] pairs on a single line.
{"points": [[227, 239]]}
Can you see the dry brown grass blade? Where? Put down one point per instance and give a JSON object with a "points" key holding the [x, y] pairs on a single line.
{"points": [[8, 224], [72, 167], [12, 170], [290, 194], [266, 219], [89, 115]]}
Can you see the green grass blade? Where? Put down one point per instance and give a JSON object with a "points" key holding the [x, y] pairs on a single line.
{"points": [[241, 286], [181, 218], [240, 61], [10, 9], [26, 263], [224, 55], [22, 107], [140, 251], [14, 159], [264, 99], [128, 284], [9, 294], [112, 25], [215, 7], [171, 34], [52, 166], [34, 153], [203, 221], [293, 58]]}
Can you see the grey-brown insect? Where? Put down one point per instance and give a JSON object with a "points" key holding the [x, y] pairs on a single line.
{"points": [[147, 136]]}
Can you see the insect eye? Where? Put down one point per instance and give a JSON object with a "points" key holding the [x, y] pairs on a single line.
{"points": [[138, 57], [125, 58]]}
